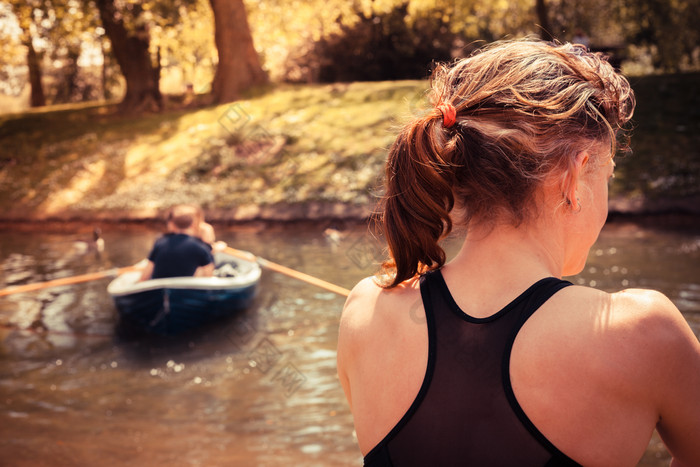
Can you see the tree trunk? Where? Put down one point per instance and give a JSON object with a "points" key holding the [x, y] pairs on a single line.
{"points": [[37, 97], [239, 65], [134, 60], [103, 77], [543, 18], [67, 86]]}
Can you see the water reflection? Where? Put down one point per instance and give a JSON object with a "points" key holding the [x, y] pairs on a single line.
{"points": [[258, 389]]}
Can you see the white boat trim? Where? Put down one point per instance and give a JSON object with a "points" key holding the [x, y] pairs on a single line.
{"points": [[128, 283]]}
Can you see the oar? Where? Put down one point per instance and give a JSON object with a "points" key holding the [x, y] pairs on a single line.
{"points": [[288, 271], [67, 280]]}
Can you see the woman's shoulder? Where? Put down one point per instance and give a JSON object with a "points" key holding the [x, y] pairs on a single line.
{"points": [[645, 304], [634, 329], [622, 361], [670, 350], [625, 333], [372, 313], [369, 305], [625, 307], [382, 354], [646, 313], [632, 311], [656, 322]]}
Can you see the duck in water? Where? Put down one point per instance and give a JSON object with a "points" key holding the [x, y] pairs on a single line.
{"points": [[96, 244]]}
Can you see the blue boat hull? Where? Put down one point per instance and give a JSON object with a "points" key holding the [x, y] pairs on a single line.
{"points": [[173, 311], [179, 304]]}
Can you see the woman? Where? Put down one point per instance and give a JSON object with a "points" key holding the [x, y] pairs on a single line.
{"points": [[492, 359]]}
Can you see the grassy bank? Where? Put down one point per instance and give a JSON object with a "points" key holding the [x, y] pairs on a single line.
{"points": [[290, 151]]}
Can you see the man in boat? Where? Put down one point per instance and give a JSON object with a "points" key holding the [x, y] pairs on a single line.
{"points": [[204, 230], [180, 252]]}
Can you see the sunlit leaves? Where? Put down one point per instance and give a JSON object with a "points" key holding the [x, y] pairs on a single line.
{"points": [[662, 33], [188, 45], [668, 28]]}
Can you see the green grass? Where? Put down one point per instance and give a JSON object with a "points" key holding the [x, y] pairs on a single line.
{"points": [[287, 144], [290, 144]]}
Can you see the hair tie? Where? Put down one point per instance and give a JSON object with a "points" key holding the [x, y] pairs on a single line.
{"points": [[449, 114]]}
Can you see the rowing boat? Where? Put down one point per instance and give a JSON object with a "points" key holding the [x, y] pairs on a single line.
{"points": [[174, 305]]}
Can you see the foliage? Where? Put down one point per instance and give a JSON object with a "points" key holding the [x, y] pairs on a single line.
{"points": [[74, 54], [381, 46], [311, 40], [293, 36], [285, 29], [58, 30], [12, 54], [597, 19], [187, 45], [668, 28]]}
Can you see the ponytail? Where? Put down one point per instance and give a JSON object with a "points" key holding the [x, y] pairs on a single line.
{"points": [[415, 210]]}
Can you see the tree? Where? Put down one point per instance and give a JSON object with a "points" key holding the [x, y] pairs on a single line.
{"points": [[25, 13], [130, 47], [543, 18], [129, 27], [37, 97], [52, 34], [239, 65]]}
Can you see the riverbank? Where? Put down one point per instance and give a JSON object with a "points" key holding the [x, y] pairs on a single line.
{"points": [[289, 153]]}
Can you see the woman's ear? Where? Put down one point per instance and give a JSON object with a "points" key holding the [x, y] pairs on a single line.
{"points": [[571, 180]]}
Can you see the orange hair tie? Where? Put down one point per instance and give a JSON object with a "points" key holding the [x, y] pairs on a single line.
{"points": [[449, 114]]}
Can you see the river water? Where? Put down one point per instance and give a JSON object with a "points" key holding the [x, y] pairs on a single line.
{"points": [[259, 389]]}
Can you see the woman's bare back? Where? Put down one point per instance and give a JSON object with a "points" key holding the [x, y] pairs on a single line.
{"points": [[590, 369]]}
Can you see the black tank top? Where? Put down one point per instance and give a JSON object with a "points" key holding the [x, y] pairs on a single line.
{"points": [[465, 412]]}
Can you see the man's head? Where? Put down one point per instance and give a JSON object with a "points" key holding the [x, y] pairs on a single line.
{"points": [[183, 217]]}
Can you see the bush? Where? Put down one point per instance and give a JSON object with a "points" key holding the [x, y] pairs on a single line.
{"points": [[378, 47]]}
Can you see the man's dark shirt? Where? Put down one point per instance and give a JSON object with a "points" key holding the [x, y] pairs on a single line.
{"points": [[178, 255]]}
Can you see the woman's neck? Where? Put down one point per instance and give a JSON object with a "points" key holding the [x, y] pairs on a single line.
{"points": [[529, 251]]}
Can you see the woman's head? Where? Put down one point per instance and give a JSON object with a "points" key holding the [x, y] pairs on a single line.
{"points": [[523, 111]]}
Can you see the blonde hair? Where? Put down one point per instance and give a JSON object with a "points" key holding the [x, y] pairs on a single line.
{"points": [[524, 109]]}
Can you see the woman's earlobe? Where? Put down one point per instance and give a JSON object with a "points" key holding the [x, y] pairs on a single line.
{"points": [[574, 203]]}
